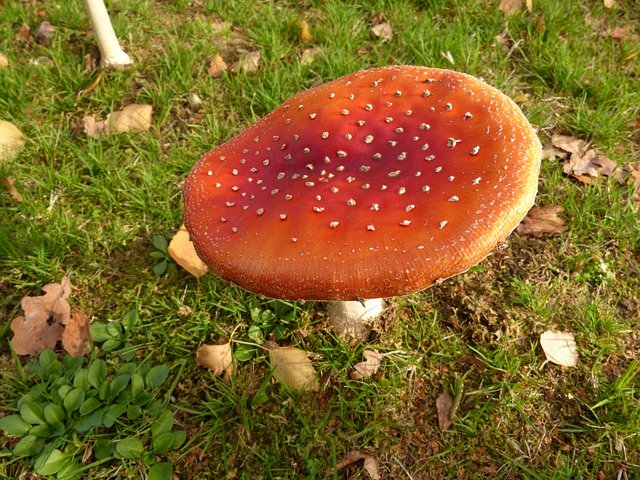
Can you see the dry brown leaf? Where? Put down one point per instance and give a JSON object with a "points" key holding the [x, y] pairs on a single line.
{"points": [[293, 369], [248, 62], [94, 128], [370, 463], [44, 33], [24, 34], [444, 404], [305, 32], [510, 7], [383, 31], [76, 333], [11, 140], [181, 249], [132, 118], [529, 4], [13, 191], [620, 33], [217, 358], [570, 144], [610, 3], [589, 166], [217, 66], [542, 221], [559, 348], [551, 153], [4, 61], [369, 367], [309, 55], [43, 321], [634, 179]]}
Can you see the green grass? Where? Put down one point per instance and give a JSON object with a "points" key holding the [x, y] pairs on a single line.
{"points": [[92, 206]]}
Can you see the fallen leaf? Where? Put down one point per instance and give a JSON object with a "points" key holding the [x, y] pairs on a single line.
{"points": [[11, 140], [369, 367], [521, 98], [634, 179], [76, 333], [510, 7], [132, 118], [610, 3], [551, 153], [248, 62], [309, 55], [305, 33], [559, 348], [370, 463], [181, 249], [292, 368], [24, 34], [383, 31], [217, 358], [44, 33], [43, 321], [620, 33], [217, 66], [542, 221], [588, 166], [529, 4], [569, 144], [444, 404], [194, 101], [4, 61], [13, 191]]}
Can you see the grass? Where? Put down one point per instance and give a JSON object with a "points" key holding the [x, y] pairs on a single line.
{"points": [[92, 207]]}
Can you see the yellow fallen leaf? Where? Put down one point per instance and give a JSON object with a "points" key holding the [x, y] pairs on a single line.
{"points": [[217, 66], [293, 369], [369, 367], [610, 3], [132, 118], [11, 140], [4, 61], [559, 348], [305, 33], [217, 358], [182, 251]]}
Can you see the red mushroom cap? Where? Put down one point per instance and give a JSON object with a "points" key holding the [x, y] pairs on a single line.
{"points": [[373, 185]]}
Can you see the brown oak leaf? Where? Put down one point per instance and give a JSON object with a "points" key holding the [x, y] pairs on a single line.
{"points": [[542, 221], [76, 333], [444, 405]]}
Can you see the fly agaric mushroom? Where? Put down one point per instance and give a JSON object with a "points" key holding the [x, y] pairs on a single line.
{"points": [[374, 185], [111, 54]]}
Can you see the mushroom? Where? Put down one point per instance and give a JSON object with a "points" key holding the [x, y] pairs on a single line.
{"points": [[374, 185], [111, 54]]}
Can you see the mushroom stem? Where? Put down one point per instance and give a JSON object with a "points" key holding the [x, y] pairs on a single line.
{"points": [[353, 319], [112, 55]]}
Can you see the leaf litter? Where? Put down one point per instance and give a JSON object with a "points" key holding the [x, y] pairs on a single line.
{"points": [[444, 407], [542, 221], [370, 463], [217, 358], [292, 368], [581, 162], [559, 348], [181, 249], [369, 367], [132, 118], [47, 319]]}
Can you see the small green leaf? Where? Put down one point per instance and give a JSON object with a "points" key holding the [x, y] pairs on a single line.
{"points": [[41, 431], [158, 255], [80, 379], [160, 268], [127, 369], [72, 363], [14, 425], [73, 400], [159, 242], [162, 443], [63, 391], [133, 412], [130, 319], [99, 332], [97, 373], [112, 414], [161, 471], [104, 391], [130, 448], [244, 353], [154, 408], [89, 405], [164, 424], [118, 384], [53, 413], [29, 445], [255, 334], [128, 352], [137, 384], [143, 398], [32, 413], [179, 437], [46, 358], [111, 345], [103, 449], [156, 376], [114, 329], [71, 470], [50, 462], [89, 421]]}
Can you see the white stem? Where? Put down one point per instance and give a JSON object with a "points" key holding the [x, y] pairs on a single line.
{"points": [[353, 320], [112, 56]]}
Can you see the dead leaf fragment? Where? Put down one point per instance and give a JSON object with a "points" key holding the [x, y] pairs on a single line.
{"points": [[309, 54], [217, 358], [369, 367], [44, 33], [569, 144], [370, 463], [248, 62], [510, 7], [8, 182], [293, 369], [217, 66], [24, 34], [305, 32], [620, 33], [11, 140], [43, 321], [610, 3], [444, 404], [589, 166], [181, 249], [383, 31], [4, 61], [529, 4], [132, 118], [542, 221], [634, 179], [75, 333], [559, 348]]}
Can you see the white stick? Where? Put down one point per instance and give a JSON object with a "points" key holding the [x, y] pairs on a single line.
{"points": [[353, 320], [112, 56]]}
